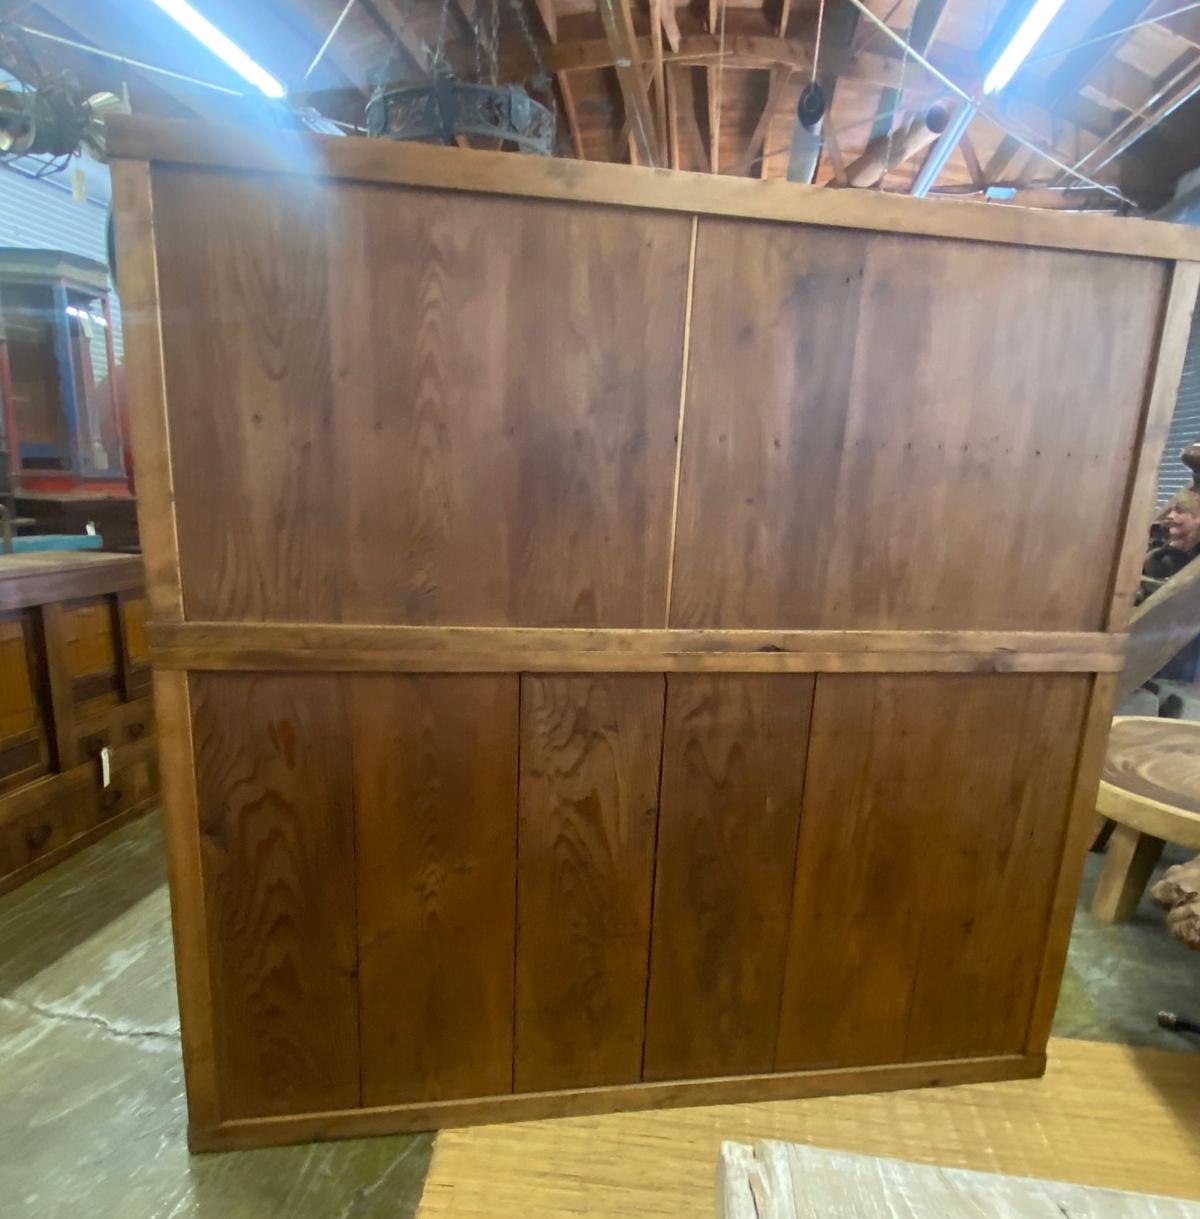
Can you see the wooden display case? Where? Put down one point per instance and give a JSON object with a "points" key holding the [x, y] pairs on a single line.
{"points": [[74, 683], [622, 638]]}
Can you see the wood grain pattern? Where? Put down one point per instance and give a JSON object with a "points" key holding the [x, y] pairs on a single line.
{"points": [[276, 808], [249, 646], [435, 761], [623, 186], [506, 456], [1155, 761], [590, 750], [733, 772], [882, 415], [133, 210], [934, 812], [574, 1102], [1080, 831], [244, 307], [194, 959]]}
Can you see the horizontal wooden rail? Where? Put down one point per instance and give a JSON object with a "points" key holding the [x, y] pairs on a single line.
{"points": [[179, 142], [315, 647]]}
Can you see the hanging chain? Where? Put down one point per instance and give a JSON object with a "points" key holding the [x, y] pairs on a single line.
{"points": [[523, 19], [476, 34], [438, 65], [817, 45], [887, 152], [495, 40]]}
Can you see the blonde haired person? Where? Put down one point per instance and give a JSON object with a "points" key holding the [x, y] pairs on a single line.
{"points": [[1180, 545]]}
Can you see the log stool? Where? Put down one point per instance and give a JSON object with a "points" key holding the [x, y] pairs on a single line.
{"points": [[1151, 789]]}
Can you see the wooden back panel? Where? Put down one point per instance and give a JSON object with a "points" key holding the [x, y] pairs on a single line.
{"points": [[620, 654]]}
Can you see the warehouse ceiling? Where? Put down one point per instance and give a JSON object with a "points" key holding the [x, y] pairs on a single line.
{"points": [[712, 86]]}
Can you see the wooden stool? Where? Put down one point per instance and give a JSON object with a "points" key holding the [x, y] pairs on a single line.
{"points": [[1151, 789]]}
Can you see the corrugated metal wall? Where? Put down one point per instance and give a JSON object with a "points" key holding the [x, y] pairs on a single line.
{"points": [[42, 215], [1173, 475]]}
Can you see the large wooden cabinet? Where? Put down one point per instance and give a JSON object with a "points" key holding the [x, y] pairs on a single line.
{"points": [[622, 638], [77, 748]]}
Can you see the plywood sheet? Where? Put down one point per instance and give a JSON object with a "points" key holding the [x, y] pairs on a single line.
{"points": [[889, 432]]}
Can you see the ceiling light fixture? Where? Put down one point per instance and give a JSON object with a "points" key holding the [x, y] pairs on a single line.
{"points": [[1019, 46], [205, 32]]}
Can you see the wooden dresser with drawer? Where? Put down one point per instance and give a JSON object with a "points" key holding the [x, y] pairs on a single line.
{"points": [[77, 748]]}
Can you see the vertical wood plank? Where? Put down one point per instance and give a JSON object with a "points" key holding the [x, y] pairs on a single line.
{"points": [[733, 773], [933, 811], [137, 269], [1160, 407], [245, 332], [275, 789], [1071, 855], [189, 921], [435, 761], [590, 750], [52, 619]]}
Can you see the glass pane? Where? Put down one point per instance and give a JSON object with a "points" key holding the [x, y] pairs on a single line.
{"points": [[98, 448]]}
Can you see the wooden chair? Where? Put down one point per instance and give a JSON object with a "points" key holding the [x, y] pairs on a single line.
{"points": [[1150, 788]]}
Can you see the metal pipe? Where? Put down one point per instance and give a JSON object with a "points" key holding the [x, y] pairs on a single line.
{"points": [[337, 25], [133, 63], [987, 114], [940, 153]]}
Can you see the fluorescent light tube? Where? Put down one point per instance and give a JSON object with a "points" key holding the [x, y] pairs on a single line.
{"points": [[205, 32], [1023, 41]]}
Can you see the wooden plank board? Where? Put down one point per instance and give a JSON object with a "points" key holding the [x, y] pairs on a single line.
{"points": [[133, 212], [244, 308], [926, 864], [380, 161], [242, 646], [590, 750], [507, 456], [275, 803], [435, 763], [816, 509], [733, 773], [774, 1180]]}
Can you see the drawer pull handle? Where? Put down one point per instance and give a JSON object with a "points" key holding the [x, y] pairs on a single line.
{"points": [[136, 731]]}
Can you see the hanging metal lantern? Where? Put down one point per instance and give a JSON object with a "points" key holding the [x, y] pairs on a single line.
{"points": [[445, 108]]}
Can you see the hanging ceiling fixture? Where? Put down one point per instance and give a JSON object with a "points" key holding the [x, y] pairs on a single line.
{"points": [[446, 108]]}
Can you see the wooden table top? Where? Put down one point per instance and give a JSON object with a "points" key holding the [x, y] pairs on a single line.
{"points": [[1155, 760], [47, 562]]}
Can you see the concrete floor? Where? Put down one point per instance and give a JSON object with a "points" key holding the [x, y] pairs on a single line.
{"points": [[92, 1112]]}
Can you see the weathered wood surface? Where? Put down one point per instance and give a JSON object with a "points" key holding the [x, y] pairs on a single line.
{"points": [[557, 578], [386, 162], [773, 1180]]}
